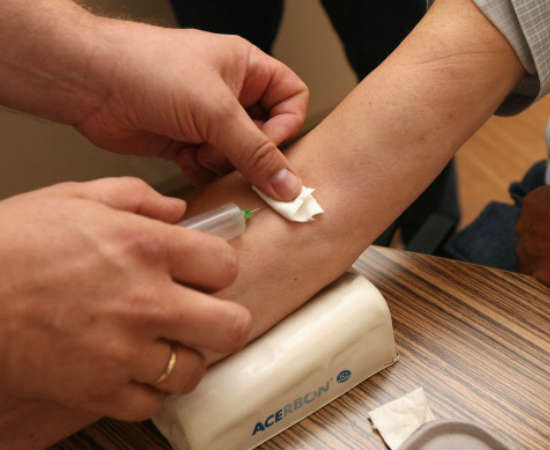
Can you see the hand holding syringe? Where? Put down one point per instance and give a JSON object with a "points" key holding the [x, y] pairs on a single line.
{"points": [[227, 221]]}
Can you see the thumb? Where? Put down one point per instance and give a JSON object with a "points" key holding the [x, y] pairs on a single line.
{"points": [[254, 155]]}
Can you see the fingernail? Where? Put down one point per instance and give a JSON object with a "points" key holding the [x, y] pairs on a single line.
{"points": [[286, 184]]}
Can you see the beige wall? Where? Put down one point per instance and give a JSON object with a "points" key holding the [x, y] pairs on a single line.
{"points": [[308, 44], [35, 153]]}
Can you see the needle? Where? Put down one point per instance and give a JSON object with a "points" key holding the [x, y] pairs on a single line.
{"points": [[248, 213]]}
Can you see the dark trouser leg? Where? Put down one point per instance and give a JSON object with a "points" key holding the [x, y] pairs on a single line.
{"points": [[431, 219], [438, 203], [256, 21], [371, 30], [491, 238]]}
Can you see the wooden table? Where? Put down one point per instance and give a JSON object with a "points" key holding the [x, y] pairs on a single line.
{"points": [[476, 339]]}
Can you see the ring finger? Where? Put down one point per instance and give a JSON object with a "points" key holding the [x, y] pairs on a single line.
{"points": [[183, 370]]}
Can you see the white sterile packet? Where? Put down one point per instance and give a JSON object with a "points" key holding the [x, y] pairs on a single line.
{"points": [[302, 209]]}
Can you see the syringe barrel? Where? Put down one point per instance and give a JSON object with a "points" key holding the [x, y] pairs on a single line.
{"points": [[226, 221]]}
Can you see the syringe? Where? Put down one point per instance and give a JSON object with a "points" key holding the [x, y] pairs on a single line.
{"points": [[227, 221]]}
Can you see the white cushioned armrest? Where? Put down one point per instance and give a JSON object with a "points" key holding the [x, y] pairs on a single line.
{"points": [[335, 341]]}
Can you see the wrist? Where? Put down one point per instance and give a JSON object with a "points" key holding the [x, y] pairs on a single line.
{"points": [[48, 59]]}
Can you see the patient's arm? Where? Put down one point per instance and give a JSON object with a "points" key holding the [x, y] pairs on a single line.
{"points": [[368, 160], [371, 157]]}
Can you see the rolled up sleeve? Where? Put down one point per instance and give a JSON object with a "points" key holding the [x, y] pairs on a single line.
{"points": [[525, 24]]}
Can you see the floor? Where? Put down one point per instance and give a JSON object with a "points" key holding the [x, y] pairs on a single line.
{"points": [[500, 152]]}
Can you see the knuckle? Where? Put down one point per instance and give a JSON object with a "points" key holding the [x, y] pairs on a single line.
{"points": [[66, 186], [134, 183], [226, 106], [143, 246], [135, 186], [142, 306], [263, 158], [238, 40], [229, 264], [239, 329], [118, 354], [236, 43], [300, 87], [305, 89]]}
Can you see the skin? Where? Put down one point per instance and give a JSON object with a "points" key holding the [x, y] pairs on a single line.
{"points": [[94, 287], [533, 229], [393, 134], [368, 160], [98, 285], [182, 95]]}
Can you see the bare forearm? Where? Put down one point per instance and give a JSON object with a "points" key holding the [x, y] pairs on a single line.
{"points": [[372, 157], [48, 49]]}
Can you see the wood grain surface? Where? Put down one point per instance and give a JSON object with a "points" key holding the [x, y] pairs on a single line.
{"points": [[476, 339], [500, 152]]}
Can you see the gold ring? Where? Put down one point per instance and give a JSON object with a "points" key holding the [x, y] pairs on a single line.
{"points": [[169, 366]]}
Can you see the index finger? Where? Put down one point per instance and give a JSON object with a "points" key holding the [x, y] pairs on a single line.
{"points": [[279, 91], [194, 258]]}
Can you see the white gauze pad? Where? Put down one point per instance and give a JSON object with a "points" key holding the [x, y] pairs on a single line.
{"points": [[302, 209], [335, 341]]}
